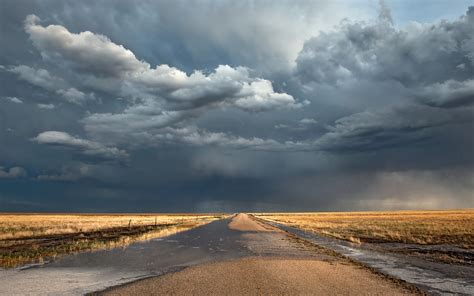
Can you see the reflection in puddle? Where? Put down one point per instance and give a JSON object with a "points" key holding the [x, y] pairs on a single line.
{"points": [[93, 271], [31, 265]]}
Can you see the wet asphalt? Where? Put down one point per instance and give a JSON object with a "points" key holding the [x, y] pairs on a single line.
{"points": [[93, 271]]}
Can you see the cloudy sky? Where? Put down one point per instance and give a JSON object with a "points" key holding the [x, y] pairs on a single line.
{"points": [[205, 106]]}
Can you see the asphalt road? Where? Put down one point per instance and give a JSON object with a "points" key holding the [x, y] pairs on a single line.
{"points": [[436, 278], [279, 265], [211, 259]]}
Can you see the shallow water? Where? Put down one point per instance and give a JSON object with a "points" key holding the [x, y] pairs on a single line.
{"points": [[435, 278], [95, 271]]}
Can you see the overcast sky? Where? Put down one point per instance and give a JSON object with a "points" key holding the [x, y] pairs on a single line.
{"points": [[204, 106]]}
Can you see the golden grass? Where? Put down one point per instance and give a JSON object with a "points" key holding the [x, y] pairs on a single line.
{"points": [[26, 238], [32, 225], [454, 227]]}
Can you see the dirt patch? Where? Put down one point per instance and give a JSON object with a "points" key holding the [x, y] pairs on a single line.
{"points": [[270, 276], [242, 222]]}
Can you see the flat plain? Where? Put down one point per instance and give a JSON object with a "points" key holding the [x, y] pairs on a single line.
{"points": [[453, 229], [377, 253], [30, 238]]}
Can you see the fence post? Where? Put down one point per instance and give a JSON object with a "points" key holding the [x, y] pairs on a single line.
{"points": [[130, 224]]}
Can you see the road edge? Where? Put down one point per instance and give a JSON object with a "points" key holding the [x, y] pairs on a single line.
{"points": [[406, 285]]}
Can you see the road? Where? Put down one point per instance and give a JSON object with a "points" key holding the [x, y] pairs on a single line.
{"points": [[436, 278], [230, 256]]}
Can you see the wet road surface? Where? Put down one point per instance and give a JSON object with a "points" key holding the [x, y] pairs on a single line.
{"points": [[93, 271], [280, 264], [434, 277]]}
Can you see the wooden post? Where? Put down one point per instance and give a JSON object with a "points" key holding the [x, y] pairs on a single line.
{"points": [[130, 224], [155, 221]]}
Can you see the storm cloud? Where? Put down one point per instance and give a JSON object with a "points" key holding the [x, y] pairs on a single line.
{"points": [[13, 172], [245, 106]]}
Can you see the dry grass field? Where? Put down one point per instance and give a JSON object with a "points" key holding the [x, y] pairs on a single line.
{"points": [[454, 228], [27, 238]]}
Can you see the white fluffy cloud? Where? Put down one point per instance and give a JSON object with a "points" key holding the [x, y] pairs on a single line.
{"points": [[306, 121], [46, 106], [194, 136], [86, 147], [73, 95], [259, 96], [14, 100], [85, 51], [159, 97], [44, 79], [104, 65], [202, 137], [39, 77]]}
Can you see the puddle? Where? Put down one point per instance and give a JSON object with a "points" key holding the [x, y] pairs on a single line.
{"points": [[435, 278], [85, 272], [31, 265]]}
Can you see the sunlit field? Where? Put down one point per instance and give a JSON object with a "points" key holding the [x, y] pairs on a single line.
{"points": [[417, 227], [26, 238], [424, 228]]}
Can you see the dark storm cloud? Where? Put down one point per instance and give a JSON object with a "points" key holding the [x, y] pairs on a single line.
{"points": [[99, 61], [448, 94], [188, 32], [13, 172], [182, 106], [432, 62], [375, 190], [413, 55], [393, 127]]}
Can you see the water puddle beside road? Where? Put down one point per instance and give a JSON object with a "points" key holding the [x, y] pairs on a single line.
{"points": [[92, 271], [435, 278]]}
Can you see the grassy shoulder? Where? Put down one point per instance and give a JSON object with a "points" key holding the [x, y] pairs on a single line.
{"points": [[423, 228], [36, 238]]}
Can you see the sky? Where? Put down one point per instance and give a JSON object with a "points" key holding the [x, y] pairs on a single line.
{"points": [[210, 106]]}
